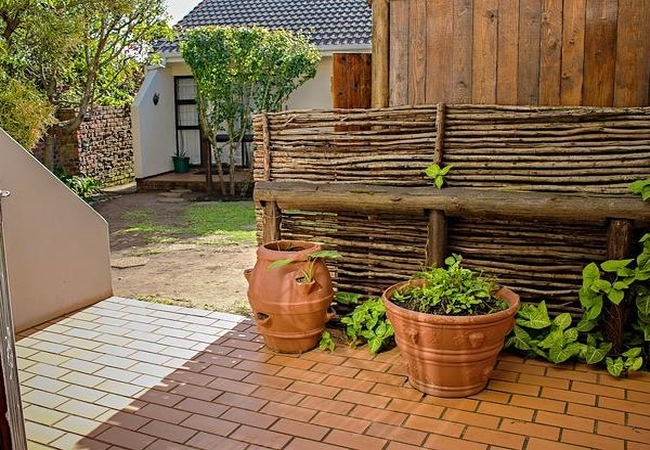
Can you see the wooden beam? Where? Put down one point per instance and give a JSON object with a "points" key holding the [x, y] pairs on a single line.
{"points": [[380, 46], [455, 202], [436, 239], [271, 222]]}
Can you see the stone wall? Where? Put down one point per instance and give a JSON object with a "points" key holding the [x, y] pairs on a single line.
{"points": [[101, 148], [106, 145]]}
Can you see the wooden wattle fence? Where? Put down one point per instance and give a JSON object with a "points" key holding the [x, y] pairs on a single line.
{"points": [[535, 193]]}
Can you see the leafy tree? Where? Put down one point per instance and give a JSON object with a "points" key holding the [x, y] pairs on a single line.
{"points": [[79, 52], [240, 71]]}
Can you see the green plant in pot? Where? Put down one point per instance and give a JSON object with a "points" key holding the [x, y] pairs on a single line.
{"points": [[450, 325], [181, 161]]}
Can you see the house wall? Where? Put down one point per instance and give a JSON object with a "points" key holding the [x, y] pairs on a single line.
{"points": [[56, 246], [154, 139]]}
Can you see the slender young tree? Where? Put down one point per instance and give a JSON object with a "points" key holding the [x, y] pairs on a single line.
{"points": [[240, 71]]}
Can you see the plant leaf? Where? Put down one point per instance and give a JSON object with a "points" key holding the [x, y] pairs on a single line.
{"points": [[279, 263], [325, 254], [560, 354], [633, 352], [594, 355], [590, 274], [615, 366], [584, 326], [347, 298], [562, 321], [634, 364], [616, 296], [535, 317], [615, 264]]}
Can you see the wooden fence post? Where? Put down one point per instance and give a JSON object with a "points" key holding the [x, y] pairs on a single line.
{"points": [[619, 245], [271, 219], [436, 239]]}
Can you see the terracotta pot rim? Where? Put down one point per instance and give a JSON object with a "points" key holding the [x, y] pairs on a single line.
{"points": [[503, 293], [304, 248]]}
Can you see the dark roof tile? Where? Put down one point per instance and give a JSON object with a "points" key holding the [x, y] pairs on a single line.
{"points": [[328, 22]]}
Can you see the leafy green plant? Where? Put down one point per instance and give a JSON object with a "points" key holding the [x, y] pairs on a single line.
{"points": [[437, 174], [347, 298], [452, 291], [368, 322], [85, 187], [641, 187], [308, 270], [326, 342], [627, 362], [554, 340]]}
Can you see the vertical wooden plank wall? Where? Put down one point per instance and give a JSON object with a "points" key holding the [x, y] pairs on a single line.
{"points": [[527, 52]]}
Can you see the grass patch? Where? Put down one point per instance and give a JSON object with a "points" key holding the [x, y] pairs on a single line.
{"points": [[232, 222]]}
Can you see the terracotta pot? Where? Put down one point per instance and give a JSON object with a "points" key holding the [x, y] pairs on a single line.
{"points": [[450, 356], [290, 313]]}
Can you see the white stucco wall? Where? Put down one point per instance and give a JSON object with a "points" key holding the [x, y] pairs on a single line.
{"points": [[317, 92], [56, 246], [154, 139]]}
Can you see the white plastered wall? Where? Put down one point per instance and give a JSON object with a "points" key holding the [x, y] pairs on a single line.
{"points": [[154, 137], [56, 246], [153, 125]]}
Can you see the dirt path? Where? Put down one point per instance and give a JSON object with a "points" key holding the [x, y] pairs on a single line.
{"points": [[201, 271]]}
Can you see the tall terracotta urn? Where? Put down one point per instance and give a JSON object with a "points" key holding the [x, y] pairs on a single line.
{"points": [[291, 302], [450, 356]]}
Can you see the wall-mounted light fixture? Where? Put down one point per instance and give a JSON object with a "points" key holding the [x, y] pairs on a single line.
{"points": [[156, 97]]}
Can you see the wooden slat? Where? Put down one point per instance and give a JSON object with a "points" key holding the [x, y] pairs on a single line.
{"points": [[417, 52], [440, 44], [507, 52], [632, 53], [600, 52], [529, 48], [399, 52], [484, 56], [573, 43], [462, 52], [380, 49], [550, 52]]}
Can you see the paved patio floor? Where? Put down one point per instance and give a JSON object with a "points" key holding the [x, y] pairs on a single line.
{"points": [[125, 374]]}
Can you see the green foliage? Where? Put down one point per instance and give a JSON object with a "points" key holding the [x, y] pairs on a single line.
{"points": [[641, 187], [308, 270], [347, 298], [326, 341], [369, 323], [437, 174], [626, 363], [454, 291], [77, 53], [84, 187], [24, 111], [243, 70]]}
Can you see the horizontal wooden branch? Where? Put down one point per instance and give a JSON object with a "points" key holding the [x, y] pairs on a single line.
{"points": [[455, 202]]}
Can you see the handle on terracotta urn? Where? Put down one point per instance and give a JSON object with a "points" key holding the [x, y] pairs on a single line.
{"points": [[247, 274], [262, 319], [330, 314]]}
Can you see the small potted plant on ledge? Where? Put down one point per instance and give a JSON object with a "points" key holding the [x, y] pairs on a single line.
{"points": [[181, 161], [450, 325]]}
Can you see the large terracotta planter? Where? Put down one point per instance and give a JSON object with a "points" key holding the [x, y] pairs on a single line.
{"points": [[450, 356], [290, 313]]}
